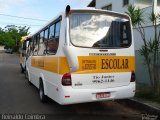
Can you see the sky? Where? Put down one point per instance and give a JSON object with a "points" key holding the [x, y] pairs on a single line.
{"points": [[44, 10]]}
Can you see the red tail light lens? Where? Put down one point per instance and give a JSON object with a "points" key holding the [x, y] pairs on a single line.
{"points": [[133, 76], [66, 79], [71, 11]]}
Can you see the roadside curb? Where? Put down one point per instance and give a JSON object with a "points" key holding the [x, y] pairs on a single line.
{"points": [[139, 105]]}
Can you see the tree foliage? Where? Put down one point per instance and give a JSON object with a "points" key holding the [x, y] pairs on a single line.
{"points": [[11, 35], [136, 15], [151, 48]]}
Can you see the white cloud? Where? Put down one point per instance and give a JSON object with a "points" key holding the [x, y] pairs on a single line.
{"points": [[5, 5]]}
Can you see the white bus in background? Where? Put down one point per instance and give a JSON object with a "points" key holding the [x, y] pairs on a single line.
{"points": [[83, 55], [23, 52]]}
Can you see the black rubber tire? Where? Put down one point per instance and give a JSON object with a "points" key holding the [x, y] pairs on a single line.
{"points": [[22, 70], [42, 96], [26, 76]]}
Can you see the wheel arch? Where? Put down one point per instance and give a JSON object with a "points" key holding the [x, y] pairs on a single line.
{"points": [[41, 79], [27, 70]]}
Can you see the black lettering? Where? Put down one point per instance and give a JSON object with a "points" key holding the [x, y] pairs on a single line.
{"points": [[115, 64], [107, 63], [103, 64], [118, 64], [126, 63], [122, 64], [111, 64]]}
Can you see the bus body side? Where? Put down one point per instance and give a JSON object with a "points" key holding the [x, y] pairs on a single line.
{"points": [[23, 52], [77, 74]]}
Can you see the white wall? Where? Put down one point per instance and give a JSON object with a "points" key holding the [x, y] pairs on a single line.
{"points": [[117, 5], [149, 32]]}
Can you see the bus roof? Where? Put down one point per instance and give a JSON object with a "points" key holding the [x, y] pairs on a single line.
{"points": [[79, 9]]}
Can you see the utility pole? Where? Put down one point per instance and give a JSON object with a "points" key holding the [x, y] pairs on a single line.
{"points": [[154, 5]]}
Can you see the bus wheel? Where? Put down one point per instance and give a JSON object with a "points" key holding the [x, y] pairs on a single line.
{"points": [[22, 69], [27, 77], [42, 96]]}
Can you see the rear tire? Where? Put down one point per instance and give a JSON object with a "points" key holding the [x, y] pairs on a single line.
{"points": [[26, 74], [27, 77], [42, 96], [22, 69]]}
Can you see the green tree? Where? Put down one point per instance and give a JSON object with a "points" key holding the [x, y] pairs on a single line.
{"points": [[1, 36], [11, 35], [150, 49], [154, 18], [9, 41]]}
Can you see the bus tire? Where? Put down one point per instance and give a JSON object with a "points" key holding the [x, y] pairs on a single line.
{"points": [[27, 77], [22, 69], [42, 96], [26, 74]]}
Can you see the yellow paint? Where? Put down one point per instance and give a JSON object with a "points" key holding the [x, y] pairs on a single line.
{"points": [[24, 38], [46, 63], [97, 60], [87, 64]]}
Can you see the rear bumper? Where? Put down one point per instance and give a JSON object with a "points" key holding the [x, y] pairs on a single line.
{"points": [[74, 96]]}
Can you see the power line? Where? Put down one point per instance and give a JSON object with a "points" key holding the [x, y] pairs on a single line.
{"points": [[23, 17], [19, 24]]}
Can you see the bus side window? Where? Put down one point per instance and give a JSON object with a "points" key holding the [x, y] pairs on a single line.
{"points": [[28, 49], [46, 33], [53, 38], [125, 34], [57, 31], [43, 42], [32, 46], [36, 41]]}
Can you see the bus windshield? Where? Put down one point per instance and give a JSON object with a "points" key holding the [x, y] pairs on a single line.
{"points": [[97, 30]]}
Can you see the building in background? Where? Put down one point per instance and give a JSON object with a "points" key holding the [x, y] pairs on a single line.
{"points": [[147, 6]]}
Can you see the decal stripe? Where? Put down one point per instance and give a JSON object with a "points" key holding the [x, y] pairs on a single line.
{"points": [[87, 64]]}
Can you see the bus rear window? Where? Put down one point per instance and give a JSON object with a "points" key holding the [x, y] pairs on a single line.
{"points": [[99, 31]]}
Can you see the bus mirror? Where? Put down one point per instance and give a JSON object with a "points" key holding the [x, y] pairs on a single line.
{"points": [[67, 10]]}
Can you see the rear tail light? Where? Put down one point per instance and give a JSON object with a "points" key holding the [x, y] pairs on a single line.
{"points": [[71, 11], [133, 76], [66, 79]]}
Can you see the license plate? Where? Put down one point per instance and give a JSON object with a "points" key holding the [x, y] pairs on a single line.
{"points": [[103, 95]]}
